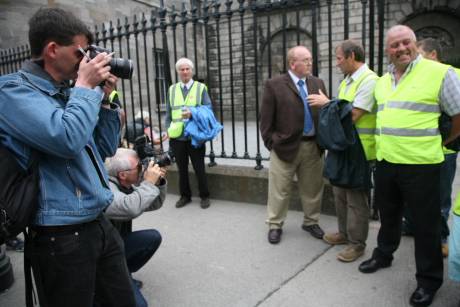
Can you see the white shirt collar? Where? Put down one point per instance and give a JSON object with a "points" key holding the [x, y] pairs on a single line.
{"points": [[188, 84], [355, 76], [296, 79]]}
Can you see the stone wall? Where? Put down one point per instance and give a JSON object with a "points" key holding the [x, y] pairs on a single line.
{"points": [[428, 18], [14, 14]]}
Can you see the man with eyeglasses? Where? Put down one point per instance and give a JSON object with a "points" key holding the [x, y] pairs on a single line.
{"points": [[288, 126], [76, 253], [134, 193]]}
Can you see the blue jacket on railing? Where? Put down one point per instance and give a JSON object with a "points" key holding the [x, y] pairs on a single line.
{"points": [[202, 126], [72, 134], [346, 165]]}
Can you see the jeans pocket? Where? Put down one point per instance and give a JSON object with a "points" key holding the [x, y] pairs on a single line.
{"points": [[60, 244]]}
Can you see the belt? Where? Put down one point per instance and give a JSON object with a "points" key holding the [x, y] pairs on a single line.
{"points": [[63, 229], [306, 138]]}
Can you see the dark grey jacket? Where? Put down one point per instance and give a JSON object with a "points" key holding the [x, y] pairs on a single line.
{"points": [[346, 165]]}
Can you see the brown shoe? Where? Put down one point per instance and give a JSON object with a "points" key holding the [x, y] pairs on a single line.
{"points": [[350, 253], [274, 236], [335, 238], [445, 250]]}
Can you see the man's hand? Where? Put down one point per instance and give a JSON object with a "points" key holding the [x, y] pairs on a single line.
{"points": [[154, 173], [92, 73], [318, 100], [186, 113], [110, 85]]}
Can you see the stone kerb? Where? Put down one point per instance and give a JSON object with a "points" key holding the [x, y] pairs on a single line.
{"points": [[243, 184]]}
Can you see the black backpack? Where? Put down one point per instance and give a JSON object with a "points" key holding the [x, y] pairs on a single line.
{"points": [[18, 193]]}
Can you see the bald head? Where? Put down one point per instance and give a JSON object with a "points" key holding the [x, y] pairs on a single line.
{"points": [[299, 61], [400, 46], [401, 29]]}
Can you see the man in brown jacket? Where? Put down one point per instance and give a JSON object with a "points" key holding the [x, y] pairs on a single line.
{"points": [[288, 126]]}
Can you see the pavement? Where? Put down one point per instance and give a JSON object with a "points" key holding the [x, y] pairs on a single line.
{"points": [[220, 257]]}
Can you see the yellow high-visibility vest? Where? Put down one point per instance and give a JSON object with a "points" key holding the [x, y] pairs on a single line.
{"points": [[366, 123], [456, 209], [176, 101], [407, 116]]}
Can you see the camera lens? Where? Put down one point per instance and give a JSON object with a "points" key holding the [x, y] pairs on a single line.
{"points": [[122, 68]]}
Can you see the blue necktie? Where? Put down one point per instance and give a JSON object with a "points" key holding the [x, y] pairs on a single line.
{"points": [[184, 91], [308, 121]]}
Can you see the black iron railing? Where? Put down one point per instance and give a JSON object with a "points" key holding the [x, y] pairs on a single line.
{"points": [[236, 46]]}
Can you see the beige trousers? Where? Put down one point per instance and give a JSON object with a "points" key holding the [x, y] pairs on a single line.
{"points": [[308, 166], [352, 214]]}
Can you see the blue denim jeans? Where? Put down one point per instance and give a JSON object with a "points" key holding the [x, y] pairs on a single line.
{"points": [[448, 169], [139, 248], [140, 299]]}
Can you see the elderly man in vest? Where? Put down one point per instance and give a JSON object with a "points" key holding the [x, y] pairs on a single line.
{"points": [[182, 96], [410, 98], [352, 204]]}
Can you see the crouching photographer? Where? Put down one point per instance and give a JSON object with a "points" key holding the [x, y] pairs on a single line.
{"points": [[135, 191]]}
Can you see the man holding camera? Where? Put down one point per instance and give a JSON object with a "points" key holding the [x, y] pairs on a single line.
{"points": [[181, 97], [76, 253], [130, 201]]}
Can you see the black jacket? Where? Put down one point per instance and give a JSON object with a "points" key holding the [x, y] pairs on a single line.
{"points": [[346, 165]]}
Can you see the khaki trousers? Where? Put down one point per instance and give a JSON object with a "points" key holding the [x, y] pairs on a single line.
{"points": [[308, 166], [352, 214]]}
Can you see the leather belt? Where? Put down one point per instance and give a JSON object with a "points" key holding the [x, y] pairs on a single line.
{"points": [[306, 138]]}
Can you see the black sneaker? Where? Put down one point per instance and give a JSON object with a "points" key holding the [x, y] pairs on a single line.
{"points": [[15, 244], [205, 203], [183, 201]]}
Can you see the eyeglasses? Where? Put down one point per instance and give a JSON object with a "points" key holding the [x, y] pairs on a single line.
{"points": [[138, 168]]}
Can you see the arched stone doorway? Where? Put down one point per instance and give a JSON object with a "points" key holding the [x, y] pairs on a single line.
{"points": [[443, 26], [277, 51]]}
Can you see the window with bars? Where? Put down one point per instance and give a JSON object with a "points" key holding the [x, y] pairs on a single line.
{"points": [[160, 76]]}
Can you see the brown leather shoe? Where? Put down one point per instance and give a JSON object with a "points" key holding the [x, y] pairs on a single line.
{"points": [[335, 238], [445, 250], [274, 235], [350, 253]]}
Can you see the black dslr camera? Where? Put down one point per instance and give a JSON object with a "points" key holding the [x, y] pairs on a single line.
{"points": [[122, 68], [146, 153]]}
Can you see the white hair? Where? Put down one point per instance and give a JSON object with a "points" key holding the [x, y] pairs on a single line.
{"points": [[183, 61], [400, 28], [145, 115], [120, 161]]}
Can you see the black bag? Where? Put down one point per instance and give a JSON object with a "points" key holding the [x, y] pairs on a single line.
{"points": [[18, 193], [445, 124]]}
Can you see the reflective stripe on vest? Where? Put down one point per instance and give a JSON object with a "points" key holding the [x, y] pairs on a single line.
{"points": [[366, 123], [176, 102], [407, 117]]}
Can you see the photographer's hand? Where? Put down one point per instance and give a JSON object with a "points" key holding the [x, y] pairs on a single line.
{"points": [[153, 173], [109, 86], [92, 73]]}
